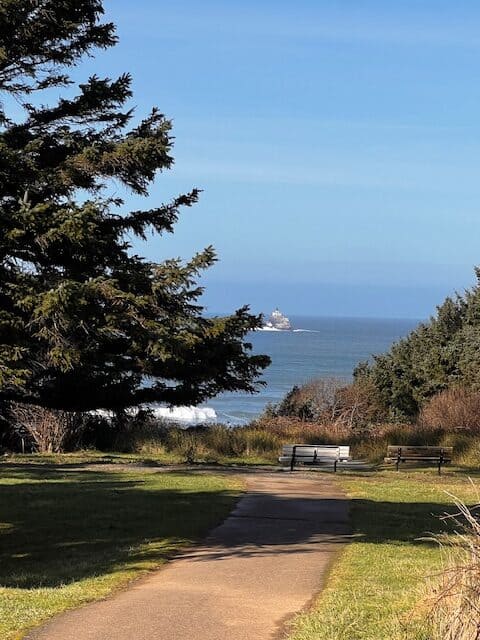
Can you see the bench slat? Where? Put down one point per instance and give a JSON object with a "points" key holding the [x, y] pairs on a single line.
{"points": [[426, 454], [327, 456], [287, 449], [314, 454], [419, 458], [411, 451]]}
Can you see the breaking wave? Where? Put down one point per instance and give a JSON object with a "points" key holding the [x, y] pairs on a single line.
{"points": [[275, 330], [187, 415], [181, 415]]}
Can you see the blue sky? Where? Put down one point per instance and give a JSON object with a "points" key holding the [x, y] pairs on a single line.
{"points": [[337, 144]]}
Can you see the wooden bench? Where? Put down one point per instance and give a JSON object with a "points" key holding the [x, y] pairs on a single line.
{"points": [[313, 455], [429, 455]]}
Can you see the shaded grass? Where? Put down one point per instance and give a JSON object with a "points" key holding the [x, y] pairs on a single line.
{"points": [[84, 459], [90, 456], [156, 458], [72, 536], [374, 586]]}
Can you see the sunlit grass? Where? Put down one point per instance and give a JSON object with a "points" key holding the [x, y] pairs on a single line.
{"points": [[375, 585], [72, 536]]}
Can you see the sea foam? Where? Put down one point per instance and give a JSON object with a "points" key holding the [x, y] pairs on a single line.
{"points": [[182, 415], [187, 415]]}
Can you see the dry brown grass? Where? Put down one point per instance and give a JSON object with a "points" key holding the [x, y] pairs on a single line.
{"points": [[368, 443], [454, 598], [262, 440]]}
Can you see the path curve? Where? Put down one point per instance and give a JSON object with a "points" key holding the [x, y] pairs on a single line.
{"points": [[243, 582]]}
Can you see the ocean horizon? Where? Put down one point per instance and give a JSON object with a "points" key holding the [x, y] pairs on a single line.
{"points": [[317, 347]]}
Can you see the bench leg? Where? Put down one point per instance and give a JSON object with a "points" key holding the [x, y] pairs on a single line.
{"points": [[440, 462], [399, 457], [335, 466], [292, 461]]}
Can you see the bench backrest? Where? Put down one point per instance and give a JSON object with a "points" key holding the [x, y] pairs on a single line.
{"points": [[322, 450], [418, 452]]}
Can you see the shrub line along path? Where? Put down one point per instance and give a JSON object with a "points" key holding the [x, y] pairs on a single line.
{"points": [[243, 582]]}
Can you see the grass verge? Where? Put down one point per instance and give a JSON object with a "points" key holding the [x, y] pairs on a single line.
{"points": [[373, 588], [69, 536]]}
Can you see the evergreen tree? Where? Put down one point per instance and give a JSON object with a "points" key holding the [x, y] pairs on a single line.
{"points": [[439, 354], [84, 322]]}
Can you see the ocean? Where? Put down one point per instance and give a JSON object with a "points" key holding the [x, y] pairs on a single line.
{"points": [[318, 347]]}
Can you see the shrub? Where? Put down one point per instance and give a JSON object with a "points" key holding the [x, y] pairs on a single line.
{"points": [[313, 401], [457, 408], [359, 404], [331, 400], [130, 432], [50, 431]]}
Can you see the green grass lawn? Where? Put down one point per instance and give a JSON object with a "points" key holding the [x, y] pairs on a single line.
{"points": [[377, 582], [68, 536]]}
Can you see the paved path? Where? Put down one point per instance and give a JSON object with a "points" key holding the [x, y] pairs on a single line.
{"points": [[252, 574]]}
